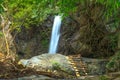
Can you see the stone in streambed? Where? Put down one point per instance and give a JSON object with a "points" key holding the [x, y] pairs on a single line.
{"points": [[48, 62]]}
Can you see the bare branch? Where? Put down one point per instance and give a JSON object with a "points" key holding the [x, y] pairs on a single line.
{"points": [[3, 21], [5, 9]]}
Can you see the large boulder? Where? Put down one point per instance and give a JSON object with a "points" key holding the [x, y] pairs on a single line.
{"points": [[47, 62]]}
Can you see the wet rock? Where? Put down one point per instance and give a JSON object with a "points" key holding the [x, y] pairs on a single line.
{"points": [[46, 62], [34, 77], [117, 78], [94, 77], [114, 75], [95, 66]]}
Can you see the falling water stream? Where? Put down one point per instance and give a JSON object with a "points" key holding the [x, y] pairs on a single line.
{"points": [[55, 35]]}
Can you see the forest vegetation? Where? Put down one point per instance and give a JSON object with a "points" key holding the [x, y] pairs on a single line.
{"points": [[101, 35]]}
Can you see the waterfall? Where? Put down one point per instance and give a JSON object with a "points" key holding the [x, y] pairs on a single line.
{"points": [[55, 35]]}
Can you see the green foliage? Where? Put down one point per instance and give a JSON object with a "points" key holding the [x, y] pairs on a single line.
{"points": [[103, 78], [114, 63], [27, 12], [67, 6], [45, 43], [34, 12], [1, 34], [114, 39], [56, 65], [111, 6]]}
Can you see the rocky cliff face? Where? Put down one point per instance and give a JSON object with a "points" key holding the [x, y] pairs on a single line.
{"points": [[86, 32], [81, 33], [34, 40]]}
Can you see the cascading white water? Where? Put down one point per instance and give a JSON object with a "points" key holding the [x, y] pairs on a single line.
{"points": [[55, 35]]}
